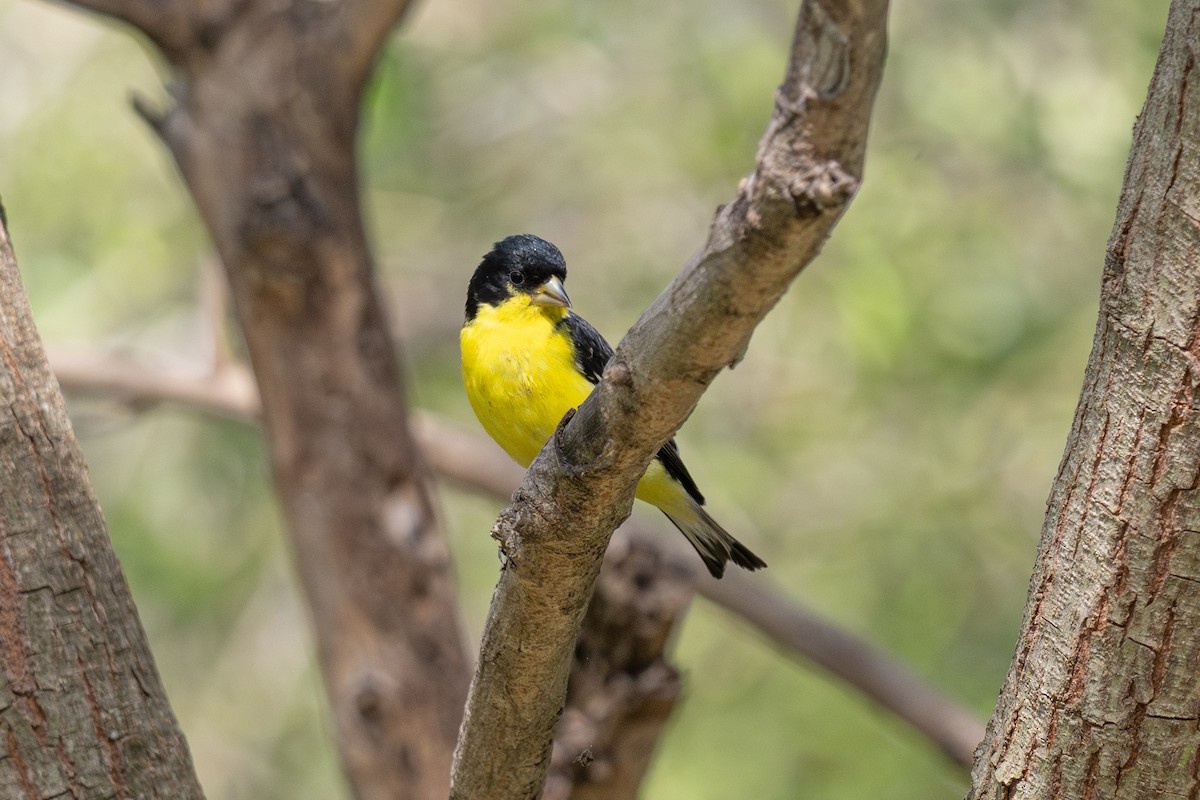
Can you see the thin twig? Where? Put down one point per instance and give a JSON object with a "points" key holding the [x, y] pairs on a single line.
{"points": [[800, 633], [225, 392], [475, 463]]}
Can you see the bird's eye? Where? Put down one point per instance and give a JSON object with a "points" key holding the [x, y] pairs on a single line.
{"points": [[516, 278]]}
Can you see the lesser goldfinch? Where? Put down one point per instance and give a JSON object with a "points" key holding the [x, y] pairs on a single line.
{"points": [[527, 359]]}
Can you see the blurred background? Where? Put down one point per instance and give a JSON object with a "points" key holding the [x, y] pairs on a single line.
{"points": [[887, 445]]}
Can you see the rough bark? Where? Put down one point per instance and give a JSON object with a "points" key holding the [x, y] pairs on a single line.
{"points": [[581, 486], [262, 128], [1103, 695], [82, 710]]}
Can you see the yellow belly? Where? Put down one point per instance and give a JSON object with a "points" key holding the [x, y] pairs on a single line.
{"points": [[520, 377]]}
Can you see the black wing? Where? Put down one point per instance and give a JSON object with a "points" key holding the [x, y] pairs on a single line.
{"points": [[592, 354], [668, 454]]}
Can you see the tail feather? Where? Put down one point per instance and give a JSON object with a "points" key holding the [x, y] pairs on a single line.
{"points": [[715, 545]]}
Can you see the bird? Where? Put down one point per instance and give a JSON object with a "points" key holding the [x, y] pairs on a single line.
{"points": [[528, 359]]}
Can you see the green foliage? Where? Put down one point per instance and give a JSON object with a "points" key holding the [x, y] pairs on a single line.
{"points": [[887, 444]]}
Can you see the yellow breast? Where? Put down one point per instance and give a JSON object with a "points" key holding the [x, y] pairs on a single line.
{"points": [[519, 372]]}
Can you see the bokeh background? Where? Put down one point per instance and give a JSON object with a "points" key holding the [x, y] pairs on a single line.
{"points": [[887, 444]]}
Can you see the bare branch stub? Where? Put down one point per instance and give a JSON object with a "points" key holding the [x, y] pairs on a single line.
{"points": [[583, 482], [622, 691]]}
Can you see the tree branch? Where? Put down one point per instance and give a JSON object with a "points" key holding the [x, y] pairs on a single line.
{"points": [[186, 33], [581, 485], [622, 691], [365, 26], [227, 391], [474, 463]]}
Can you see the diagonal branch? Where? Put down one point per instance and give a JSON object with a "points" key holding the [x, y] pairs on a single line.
{"points": [[808, 167], [622, 691], [188, 33], [364, 26]]}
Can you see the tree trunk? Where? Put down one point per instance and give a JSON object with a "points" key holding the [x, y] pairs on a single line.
{"points": [[1103, 695], [263, 130], [374, 563], [82, 710]]}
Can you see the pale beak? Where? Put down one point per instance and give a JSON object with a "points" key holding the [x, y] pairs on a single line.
{"points": [[551, 293]]}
